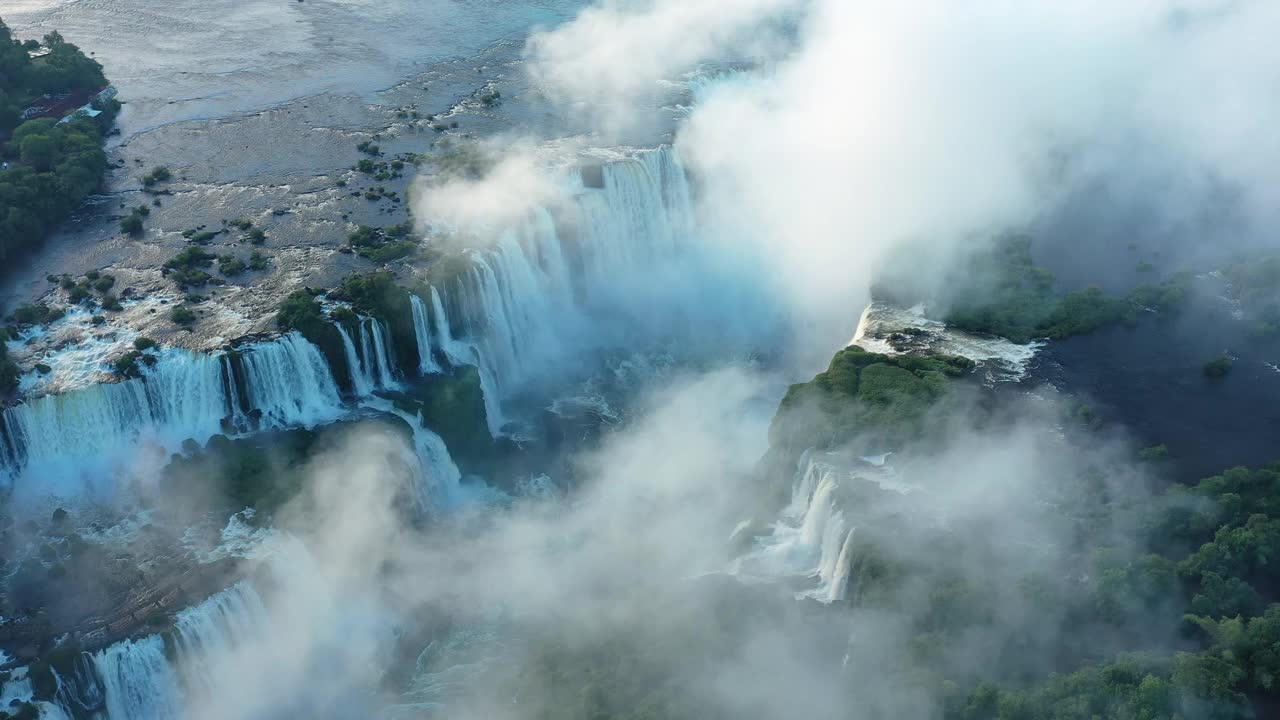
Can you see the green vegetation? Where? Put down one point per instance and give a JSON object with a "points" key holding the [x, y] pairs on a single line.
{"points": [[1000, 291], [131, 224], [1255, 282], [1008, 295], [157, 175], [881, 397], [182, 316], [230, 265], [257, 261], [39, 314], [127, 365], [377, 294], [1154, 453], [1217, 367], [187, 267], [453, 406], [78, 291], [9, 372], [383, 245], [301, 312], [201, 237], [262, 471], [60, 660], [53, 167]]}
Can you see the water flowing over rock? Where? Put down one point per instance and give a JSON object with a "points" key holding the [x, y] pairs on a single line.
{"points": [[361, 383], [372, 362], [140, 681], [548, 291], [290, 382], [814, 538], [78, 441], [427, 364]]}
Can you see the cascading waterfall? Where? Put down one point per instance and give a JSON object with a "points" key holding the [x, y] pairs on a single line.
{"points": [[813, 539], [83, 438], [372, 366], [80, 437], [375, 344], [427, 364], [514, 296], [459, 352], [361, 382], [524, 299], [438, 477], [289, 381], [207, 633], [139, 681]]}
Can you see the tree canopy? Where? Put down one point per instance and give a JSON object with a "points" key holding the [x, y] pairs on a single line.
{"points": [[52, 167]]}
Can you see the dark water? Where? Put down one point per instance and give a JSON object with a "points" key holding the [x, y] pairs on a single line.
{"points": [[1149, 379]]}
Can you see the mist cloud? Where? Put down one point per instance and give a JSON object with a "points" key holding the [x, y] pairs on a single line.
{"points": [[932, 122]]}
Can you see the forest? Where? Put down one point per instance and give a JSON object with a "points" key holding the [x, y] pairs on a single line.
{"points": [[49, 168]]}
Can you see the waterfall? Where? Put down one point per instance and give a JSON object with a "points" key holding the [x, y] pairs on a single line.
{"points": [[361, 382], [289, 381], [461, 353], [206, 634], [375, 344], [70, 441], [813, 540], [427, 364], [526, 299], [138, 681], [524, 302], [437, 476], [457, 353]]}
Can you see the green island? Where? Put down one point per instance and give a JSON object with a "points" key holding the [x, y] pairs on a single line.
{"points": [[51, 164]]}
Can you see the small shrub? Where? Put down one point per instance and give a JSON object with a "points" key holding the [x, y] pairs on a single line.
{"points": [[257, 261], [127, 364], [144, 343], [182, 316], [1153, 453], [104, 283], [131, 225], [1217, 367], [230, 265], [257, 236], [157, 175]]}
